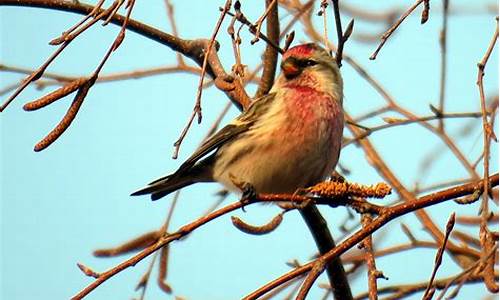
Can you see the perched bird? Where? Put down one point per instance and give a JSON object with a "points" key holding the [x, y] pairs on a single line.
{"points": [[286, 140]]}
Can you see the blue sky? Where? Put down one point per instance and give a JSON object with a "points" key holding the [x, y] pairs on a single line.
{"points": [[62, 203]]}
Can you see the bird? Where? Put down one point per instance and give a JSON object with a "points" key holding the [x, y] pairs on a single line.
{"points": [[286, 140]]}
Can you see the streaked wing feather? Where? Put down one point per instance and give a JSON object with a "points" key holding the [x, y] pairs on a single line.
{"points": [[213, 143], [241, 124]]}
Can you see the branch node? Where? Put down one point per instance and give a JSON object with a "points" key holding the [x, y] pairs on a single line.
{"points": [[88, 271]]}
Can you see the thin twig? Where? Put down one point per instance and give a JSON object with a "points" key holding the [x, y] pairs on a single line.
{"points": [[64, 43], [468, 270], [340, 34], [403, 290], [443, 45], [193, 49], [83, 87], [439, 256], [487, 241], [197, 106], [173, 25], [393, 28], [373, 273], [322, 12], [393, 122], [271, 5]]}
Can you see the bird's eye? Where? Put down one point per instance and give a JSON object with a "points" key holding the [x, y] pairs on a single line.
{"points": [[310, 62]]}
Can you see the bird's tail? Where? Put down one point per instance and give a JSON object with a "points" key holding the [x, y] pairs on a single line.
{"points": [[164, 186]]}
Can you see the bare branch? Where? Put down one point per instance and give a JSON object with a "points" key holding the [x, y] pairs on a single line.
{"points": [[487, 241], [393, 28], [270, 57], [439, 257], [390, 214]]}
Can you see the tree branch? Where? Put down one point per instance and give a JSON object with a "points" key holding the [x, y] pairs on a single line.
{"points": [[390, 214], [270, 56], [193, 49], [324, 241]]}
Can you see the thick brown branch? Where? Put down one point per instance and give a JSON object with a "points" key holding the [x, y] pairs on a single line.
{"points": [[389, 215], [193, 49], [270, 57], [324, 241], [185, 230]]}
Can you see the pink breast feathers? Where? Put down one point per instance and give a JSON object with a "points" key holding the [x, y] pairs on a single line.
{"points": [[308, 108]]}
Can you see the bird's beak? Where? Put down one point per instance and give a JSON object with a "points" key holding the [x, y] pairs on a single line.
{"points": [[290, 68]]}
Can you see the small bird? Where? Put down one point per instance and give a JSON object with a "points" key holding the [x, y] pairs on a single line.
{"points": [[286, 140]]}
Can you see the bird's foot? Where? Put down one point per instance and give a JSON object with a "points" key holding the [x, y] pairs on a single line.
{"points": [[336, 177], [248, 194]]}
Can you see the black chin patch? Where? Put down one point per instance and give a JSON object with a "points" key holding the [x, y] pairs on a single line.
{"points": [[290, 76]]}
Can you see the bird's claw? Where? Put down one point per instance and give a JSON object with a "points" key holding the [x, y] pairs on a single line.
{"points": [[336, 177], [248, 194]]}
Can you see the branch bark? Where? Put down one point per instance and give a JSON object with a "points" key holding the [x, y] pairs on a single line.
{"points": [[390, 214], [324, 241], [270, 56], [193, 49]]}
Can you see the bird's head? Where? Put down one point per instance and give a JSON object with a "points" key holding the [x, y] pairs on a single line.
{"points": [[309, 65]]}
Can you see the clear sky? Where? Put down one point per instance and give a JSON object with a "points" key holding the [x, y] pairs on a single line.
{"points": [[58, 205]]}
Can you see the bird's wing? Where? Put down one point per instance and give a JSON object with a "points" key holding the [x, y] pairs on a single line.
{"points": [[217, 140], [239, 125]]}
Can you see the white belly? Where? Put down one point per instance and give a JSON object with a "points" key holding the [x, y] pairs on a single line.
{"points": [[277, 164]]}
